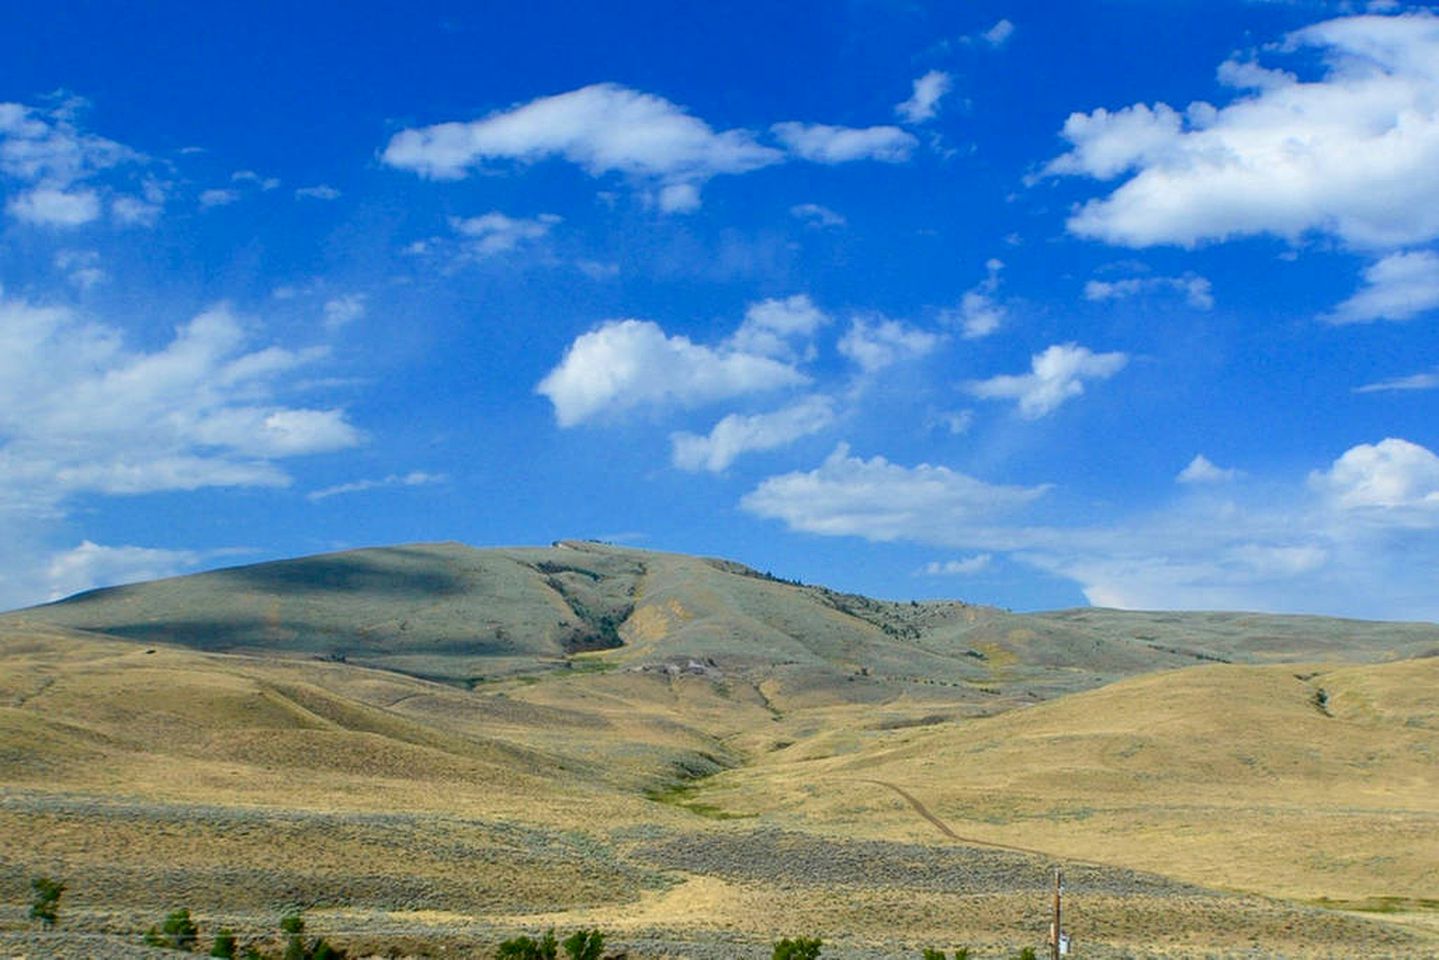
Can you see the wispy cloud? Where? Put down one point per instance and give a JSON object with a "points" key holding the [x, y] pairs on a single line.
{"points": [[415, 478]]}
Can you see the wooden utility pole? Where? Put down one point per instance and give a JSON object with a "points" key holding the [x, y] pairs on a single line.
{"points": [[1057, 930]]}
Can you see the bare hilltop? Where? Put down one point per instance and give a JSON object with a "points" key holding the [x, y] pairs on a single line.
{"points": [[433, 747]]}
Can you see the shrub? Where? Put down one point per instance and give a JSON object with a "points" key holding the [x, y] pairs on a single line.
{"points": [[527, 948], [1026, 954], [931, 954], [800, 948], [224, 945], [45, 901], [584, 945], [178, 933]]}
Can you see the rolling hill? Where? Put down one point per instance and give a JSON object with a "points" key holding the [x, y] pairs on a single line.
{"points": [[448, 745]]}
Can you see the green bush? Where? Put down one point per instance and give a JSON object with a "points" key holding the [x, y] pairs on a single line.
{"points": [[931, 954], [178, 933], [1026, 954], [224, 945], [800, 948], [527, 948], [45, 901], [585, 945]]}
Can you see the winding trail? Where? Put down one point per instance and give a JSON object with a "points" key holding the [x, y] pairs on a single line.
{"points": [[944, 828]]}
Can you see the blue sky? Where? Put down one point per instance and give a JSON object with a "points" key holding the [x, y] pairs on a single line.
{"points": [[1030, 304]]}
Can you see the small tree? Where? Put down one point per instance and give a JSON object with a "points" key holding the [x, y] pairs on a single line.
{"points": [[45, 901], [224, 945], [800, 948], [527, 948], [585, 945]]}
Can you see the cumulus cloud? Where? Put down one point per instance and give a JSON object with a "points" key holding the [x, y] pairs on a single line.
{"points": [[823, 143], [780, 328], [80, 412], [55, 165], [1197, 290], [1392, 474], [415, 478], [495, 233], [979, 314], [91, 565], [1055, 376], [923, 103], [627, 364], [737, 434], [1349, 154], [815, 215], [1201, 470], [884, 501], [603, 128], [879, 343], [1397, 287]]}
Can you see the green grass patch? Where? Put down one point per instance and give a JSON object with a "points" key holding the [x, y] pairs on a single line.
{"points": [[682, 795]]}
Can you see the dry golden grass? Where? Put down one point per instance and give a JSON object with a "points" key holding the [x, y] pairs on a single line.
{"points": [[153, 776]]}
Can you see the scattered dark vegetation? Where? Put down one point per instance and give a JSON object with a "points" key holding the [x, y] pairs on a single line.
{"points": [[800, 948], [178, 932], [45, 901], [960, 953]]}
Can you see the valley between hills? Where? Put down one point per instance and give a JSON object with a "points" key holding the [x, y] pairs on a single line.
{"points": [[433, 747]]}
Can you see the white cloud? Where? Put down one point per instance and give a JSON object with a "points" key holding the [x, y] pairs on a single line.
{"points": [[218, 198], [1397, 287], [1357, 540], [880, 343], [923, 104], [632, 363], [52, 207], [603, 128], [415, 478], [1416, 381], [772, 327], [1350, 154], [318, 192], [1197, 290], [82, 413], [495, 233], [1055, 376], [979, 314], [815, 215], [249, 176], [91, 565], [736, 434], [1201, 470], [81, 268], [823, 143], [134, 212], [879, 500], [958, 568], [343, 311], [1392, 474], [999, 34], [56, 164], [957, 421]]}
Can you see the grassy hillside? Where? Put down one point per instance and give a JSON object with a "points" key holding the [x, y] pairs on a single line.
{"points": [[452, 745]]}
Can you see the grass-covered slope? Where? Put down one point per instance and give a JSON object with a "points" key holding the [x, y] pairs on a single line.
{"points": [[462, 615]]}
